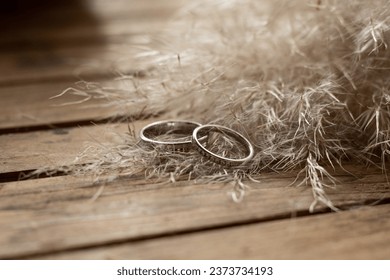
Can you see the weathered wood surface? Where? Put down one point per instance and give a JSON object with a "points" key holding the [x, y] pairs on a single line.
{"points": [[83, 37], [70, 64], [45, 148], [75, 217], [358, 234], [45, 215], [33, 105], [37, 149]]}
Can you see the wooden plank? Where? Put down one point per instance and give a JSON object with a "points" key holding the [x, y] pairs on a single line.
{"points": [[359, 234], [45, 148], [38, 149], [72, 63], [54, 214], [93, 35], [32, 105]]}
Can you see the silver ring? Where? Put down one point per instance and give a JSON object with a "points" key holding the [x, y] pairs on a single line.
{"points": [[205, 129], [150, 133]]}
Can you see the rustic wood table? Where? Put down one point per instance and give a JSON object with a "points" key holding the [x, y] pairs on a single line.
{"points": [[45, 48]]}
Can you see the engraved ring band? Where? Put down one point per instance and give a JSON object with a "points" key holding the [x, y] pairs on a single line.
{"points": [[151, 134]]}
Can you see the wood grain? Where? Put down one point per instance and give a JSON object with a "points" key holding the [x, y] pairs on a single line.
{"points": [[68, 217], [54, 214], [45, 148], [34, 150], [71, 64], [99, 39], [357, 234], [33, 105]]}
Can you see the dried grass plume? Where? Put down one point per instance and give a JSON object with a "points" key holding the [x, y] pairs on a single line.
{"points": [[306, 81]]}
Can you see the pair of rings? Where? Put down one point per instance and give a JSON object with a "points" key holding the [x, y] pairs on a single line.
{"points": [[184, 135]]}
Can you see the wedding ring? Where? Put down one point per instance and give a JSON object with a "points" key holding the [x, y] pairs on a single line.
{"points": [[202, 132], [174, 134]]}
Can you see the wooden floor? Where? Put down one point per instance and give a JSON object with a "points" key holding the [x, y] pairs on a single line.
{"points": [[48, 46]]}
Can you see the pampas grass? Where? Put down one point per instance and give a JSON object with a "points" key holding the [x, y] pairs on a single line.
{"points": [[306, 81]]}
